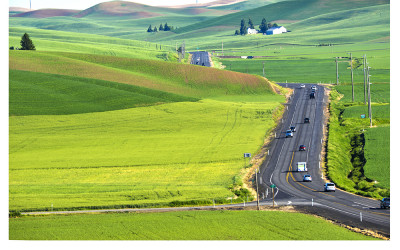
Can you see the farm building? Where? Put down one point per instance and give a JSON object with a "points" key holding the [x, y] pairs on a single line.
{"points": [[251, 31], [276, 30]]}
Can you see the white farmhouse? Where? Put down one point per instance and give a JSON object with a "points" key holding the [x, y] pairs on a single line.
{"points": [[251, 31], [276, 30]]}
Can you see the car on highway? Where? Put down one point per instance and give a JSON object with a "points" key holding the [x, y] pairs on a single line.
{"points": [[313, 87], [385, 202], [307, 178], [312, 95], [306, 120], [289, 133], [302, 86], [302, 148], [293, 128], [329, 187]]}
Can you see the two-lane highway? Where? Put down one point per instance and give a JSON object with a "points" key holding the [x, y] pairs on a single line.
{"points": [[280, 166], [200, 58]]}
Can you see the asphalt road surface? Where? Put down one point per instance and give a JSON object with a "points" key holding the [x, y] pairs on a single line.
{"points": [[200, 58], [280, 168]]}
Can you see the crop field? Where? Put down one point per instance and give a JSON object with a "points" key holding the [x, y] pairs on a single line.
{"points": [[191, 225], [49, 94], [377, 154], [61, 41], [157, 154], [378, 112], [181, 79], [380, 93]]}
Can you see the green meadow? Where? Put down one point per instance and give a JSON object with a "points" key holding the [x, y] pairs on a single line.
{"points": [[191, 225]]}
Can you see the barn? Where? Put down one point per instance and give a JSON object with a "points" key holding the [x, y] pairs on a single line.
{"points": [[276, 30]]}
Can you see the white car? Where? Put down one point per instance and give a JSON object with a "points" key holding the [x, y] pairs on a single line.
{"points": [[307, 177], [329, 187], [314, 88], [302, 86]]}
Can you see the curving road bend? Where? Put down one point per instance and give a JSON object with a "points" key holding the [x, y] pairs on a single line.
{"points": [[280, 168]]}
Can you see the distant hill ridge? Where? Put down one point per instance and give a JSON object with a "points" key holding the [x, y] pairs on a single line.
{"points": [[118, 8]]}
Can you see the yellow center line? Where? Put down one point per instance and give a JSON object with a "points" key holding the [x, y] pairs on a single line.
{"points": [[291, 174]]}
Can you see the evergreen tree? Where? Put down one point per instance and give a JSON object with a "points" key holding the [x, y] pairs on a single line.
{"points": [[150, 29], [161, 28], [237, 32], [275, 25], [166, 27], [251, 25], [26, 43], [243, 28], [263, 26], [155, 29], [269, 25]]}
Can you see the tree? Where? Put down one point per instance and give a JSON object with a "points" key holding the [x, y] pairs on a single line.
{"points": [[26, 43], [243, 28], [150, 29], [155, 29], [237, 32], [161, 27], [275, 25], [269, 25], [166, 27], [263, 26], [251, 25]]}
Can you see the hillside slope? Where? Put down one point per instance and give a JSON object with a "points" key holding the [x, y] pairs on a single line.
{"points": [[286, 10], [183, 79]]}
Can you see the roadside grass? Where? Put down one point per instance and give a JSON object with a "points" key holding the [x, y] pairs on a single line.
{"points": [[35, 93], [358, 155], [144, 156], [187, 225]]}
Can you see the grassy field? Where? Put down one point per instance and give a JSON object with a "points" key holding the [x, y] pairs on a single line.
{"points": [[196, 225], [158, 154], [181, 79], [50, 94], [377, 154]]}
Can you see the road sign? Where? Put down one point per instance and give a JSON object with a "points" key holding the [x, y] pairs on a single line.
{"points": [[363, 116], [247, 155], [273, 186]]}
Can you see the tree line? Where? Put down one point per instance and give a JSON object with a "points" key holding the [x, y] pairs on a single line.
{"points": [[263, 27], [166, 27]]}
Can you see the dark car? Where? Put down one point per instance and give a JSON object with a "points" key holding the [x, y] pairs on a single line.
{"points": [[293, 128], [312, 95], [306, 120], [302, 148], [385, 202]]}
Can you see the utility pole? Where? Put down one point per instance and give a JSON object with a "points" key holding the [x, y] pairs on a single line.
{"points": [[352, 82], [369, 100], [365, 80], [263, 69], [258, 202], [337, 72]]}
